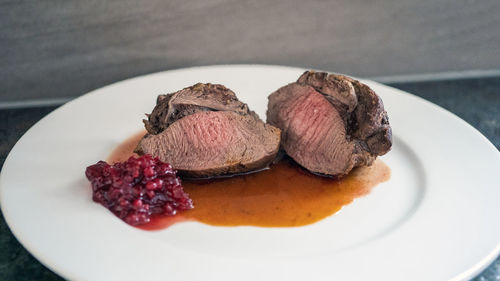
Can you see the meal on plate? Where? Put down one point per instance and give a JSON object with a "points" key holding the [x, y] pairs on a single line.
{"points": [[327, 123]]}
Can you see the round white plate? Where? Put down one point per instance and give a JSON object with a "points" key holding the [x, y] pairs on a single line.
{"points": [[437, 218]]}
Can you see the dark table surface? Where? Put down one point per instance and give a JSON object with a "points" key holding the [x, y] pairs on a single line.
{"points": [[477, 101]]}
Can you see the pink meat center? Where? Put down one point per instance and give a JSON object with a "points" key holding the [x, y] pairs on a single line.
{"points": [[315, 133]]}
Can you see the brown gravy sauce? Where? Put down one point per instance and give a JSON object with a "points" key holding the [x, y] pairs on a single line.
{"points": [[284, 195]]}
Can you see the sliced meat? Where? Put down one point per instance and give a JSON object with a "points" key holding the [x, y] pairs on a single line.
{"points": [[210, 143], [330, 123], [205, 131]]}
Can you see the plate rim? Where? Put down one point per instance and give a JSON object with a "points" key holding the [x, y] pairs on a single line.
{"points": [[40, 257]]}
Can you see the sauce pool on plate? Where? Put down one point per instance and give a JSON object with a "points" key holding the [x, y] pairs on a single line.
{"points": [[284, 195]]}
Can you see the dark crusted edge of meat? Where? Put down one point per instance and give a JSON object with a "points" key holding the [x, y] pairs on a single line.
{"points": [[161, 117]]}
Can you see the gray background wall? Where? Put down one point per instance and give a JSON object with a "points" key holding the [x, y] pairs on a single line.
{"points": [[62, 49]]}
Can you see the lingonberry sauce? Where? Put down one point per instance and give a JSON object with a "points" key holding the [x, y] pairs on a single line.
{"points": [[137, 189]]}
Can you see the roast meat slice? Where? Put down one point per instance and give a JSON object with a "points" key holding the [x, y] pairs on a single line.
{"points": [[205, 131], [214, 143], [330, 123]]}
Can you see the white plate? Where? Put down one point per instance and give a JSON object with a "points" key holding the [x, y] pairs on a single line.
{"points": [[437, 218]]}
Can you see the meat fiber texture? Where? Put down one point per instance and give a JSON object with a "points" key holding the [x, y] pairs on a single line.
{"points": [[205, 131], [330, 123]]}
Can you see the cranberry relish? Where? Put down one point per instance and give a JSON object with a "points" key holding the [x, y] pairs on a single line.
{"points": [[138, 188]]}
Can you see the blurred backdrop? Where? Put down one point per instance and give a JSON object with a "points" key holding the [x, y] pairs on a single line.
{"points": [[62, 49]]}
